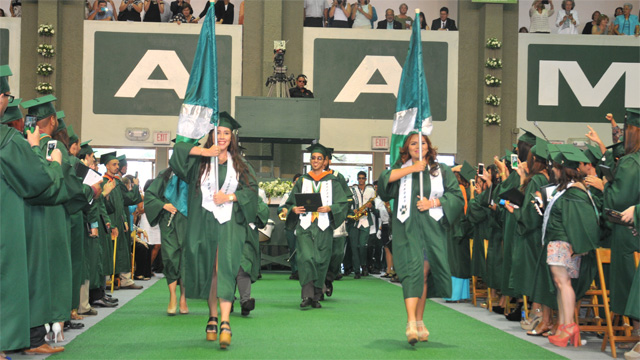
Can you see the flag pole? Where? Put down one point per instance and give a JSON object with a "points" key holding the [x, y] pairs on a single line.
{"points": [[418, 114]]}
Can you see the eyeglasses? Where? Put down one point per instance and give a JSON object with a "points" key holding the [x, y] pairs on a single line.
{"points": [[362, 178], [317, 158], [11, 97]]}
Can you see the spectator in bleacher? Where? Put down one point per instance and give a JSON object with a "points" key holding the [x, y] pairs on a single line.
{"points": [[618, 12], [567, 20], [602, 26], [110, 5], [403, 19], [316, 13], [224, 12], [523, 30], [152, 10], [590, 25], [389, 22], [423, 22], [626, 24], [2, 13], [443, 23], [540, 17], [15, 8], [101, 12], [130, 10], [361, 14], [186, 16], [340, 11], [176, 7]]}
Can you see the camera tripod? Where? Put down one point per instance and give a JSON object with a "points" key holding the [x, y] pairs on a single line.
{"points": [[279, 82]]}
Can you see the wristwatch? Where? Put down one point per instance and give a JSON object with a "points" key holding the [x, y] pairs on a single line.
{"points": [[232, 197]]}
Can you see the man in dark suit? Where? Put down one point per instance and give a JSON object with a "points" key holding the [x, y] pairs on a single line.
{"points": [[444, 23], [389, 22]]}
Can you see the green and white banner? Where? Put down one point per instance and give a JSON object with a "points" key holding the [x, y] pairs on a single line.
{"points": [[565, 80], [136, 76], [356, 75]]}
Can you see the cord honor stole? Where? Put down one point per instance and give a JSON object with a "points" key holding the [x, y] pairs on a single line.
{"points": [[326, 193]]}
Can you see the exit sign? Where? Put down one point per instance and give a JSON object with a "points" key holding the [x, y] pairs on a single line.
{"points": [[162, 138], [379, 143]]}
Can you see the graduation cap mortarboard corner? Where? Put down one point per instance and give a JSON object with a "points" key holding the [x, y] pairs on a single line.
{"points": [[570, 156], [85, 149], [527, 137], [40, 107], [73, 137], [5, 72], [318, 148], [593, 153], [60, 114], [633, 117], [122, 159], [467, 171], [105, 158], [330, 154], [12, 113], [225, 120], [540, 149]]}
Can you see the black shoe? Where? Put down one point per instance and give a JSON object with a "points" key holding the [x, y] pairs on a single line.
{"points": [[110, 300], [306, 302], [515, 315], [395, 279], [102, 303], [315, 304], [329, 286], [321, 298], [68, 325], [365, 272], [247, 306], [294, 276], [357, 276], [339, 276], [498, 310], [91, 312]]}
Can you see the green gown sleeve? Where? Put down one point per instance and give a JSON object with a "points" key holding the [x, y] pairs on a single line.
{"points": [[339, 203], [131, 197], [636, 217], [262, 215], [182, 163], [247, 195], [528, 219], [451, 201], [387, 191], [580, 221], [154, 200], [476, 211], [623, 191]]}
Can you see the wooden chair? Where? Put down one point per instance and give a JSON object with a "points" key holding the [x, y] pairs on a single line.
{"points": [[612, 321], [475, 291]]}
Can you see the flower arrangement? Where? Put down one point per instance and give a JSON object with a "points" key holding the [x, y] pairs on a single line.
{"points": [[493, 43], [492, 81], [44, 88], [44, 69], [493, 63], [46, 50], [276, 188], [492, 100], [492, 119], [46, 30]]}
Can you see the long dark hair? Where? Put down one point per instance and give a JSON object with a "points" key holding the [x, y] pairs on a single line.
{"points": [[567, 175], [238, 162], [523, 150], [62, 137], [536, 166], [431, 154], [631, 139]]}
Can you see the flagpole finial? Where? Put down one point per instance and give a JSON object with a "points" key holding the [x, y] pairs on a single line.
{"points": [[417, 11]]}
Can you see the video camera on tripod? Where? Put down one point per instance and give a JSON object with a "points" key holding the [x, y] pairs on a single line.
{"points": [[279, 81]]}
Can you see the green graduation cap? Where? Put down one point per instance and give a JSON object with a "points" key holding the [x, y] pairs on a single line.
{"points": [[540, 149], [633, 117], [105, 158], [570, 156], [330, 154], [318, 148], [61, 125], [40, 107], [85, 149], [73, 137], [5, 72], [593, 153], [552, 151], [467, 171], [123, 160], [227, 121], [617, 149], [12, 113], [527, 137]]}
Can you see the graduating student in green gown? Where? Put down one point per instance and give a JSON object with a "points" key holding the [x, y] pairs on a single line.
{"points": [[420, 226], [570, 235], [217, 222], [172, 219], [632, 215], [314, 230], [619, 195], [24, 173]]}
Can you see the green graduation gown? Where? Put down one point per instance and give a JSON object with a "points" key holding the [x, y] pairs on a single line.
{"points": [[633, 304], [92, 247], [314, 244], [251, 259], [622, 192], [24, 173], [337, 251], [421, 235], [115, 204], [509, 232], [478, 215], [205, 235], [172, 236], [527, 243], [459, 252], [573, 219], [105, 248]]}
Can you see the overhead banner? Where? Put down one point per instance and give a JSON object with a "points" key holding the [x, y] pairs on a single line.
{"points": [[356, 75], [136, 76], [564, 79]]}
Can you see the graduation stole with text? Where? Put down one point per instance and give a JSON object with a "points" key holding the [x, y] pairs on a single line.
{"points": [[209, 187], [404, 195]]}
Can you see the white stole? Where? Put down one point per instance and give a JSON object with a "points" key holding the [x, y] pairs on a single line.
{"points": [[404, 195], [326, 193], [209, 187]]}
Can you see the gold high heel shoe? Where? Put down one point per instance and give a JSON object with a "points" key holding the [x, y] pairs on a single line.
{"points": [[412, 333], [225, 335], [212, 329], [423, 335], [171, 309]]}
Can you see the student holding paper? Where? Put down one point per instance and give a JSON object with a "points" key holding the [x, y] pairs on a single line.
{"points": [[314, 230], [420, 226]]}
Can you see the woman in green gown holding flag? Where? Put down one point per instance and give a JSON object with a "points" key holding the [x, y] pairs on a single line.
{"points": [[420, 226], [220, 209]]}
